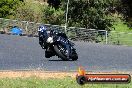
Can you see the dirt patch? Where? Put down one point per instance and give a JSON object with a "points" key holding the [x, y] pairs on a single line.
{"points": [[41, 74], [47, 74]]}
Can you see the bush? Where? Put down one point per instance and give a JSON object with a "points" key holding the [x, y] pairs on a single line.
{"points": [[53, 16], [7, 8], [29, 11]]}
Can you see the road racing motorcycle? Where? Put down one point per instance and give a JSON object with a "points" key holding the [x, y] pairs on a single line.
{"points": [[56, 43]]}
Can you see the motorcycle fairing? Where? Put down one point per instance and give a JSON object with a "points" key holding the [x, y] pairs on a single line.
{"points": [[66, 45]]}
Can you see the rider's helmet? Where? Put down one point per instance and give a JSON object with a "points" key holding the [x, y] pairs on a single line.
{"points": [[41, 28]]}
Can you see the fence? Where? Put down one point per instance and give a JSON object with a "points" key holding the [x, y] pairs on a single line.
{"points": [[89, 35], [28, 27], [77, 34]]}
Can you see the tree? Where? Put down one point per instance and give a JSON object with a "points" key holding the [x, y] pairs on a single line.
{"points": [[54, 3], [90, 14], [126, 9], [53, 16], [29, 11]]}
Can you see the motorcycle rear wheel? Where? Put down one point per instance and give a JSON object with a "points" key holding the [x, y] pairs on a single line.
{"points": [[74, 55], [47, 54]]}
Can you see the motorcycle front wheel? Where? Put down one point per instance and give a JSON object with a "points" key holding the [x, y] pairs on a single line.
{"points": [[60, 51]]}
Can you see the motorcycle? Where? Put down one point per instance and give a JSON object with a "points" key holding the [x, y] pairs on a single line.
{"points": [[57, 43]]}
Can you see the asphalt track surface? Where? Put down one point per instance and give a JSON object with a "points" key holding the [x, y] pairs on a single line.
{"points": [[24, 53]]}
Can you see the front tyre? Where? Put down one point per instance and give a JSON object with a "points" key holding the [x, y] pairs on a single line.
{"points": [[59, 49]]}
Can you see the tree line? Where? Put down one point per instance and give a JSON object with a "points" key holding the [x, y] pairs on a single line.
{"points": [[97, 14]]}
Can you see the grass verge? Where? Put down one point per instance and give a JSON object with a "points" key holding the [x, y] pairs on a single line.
{"points": [[67, 82], [121, 34]]}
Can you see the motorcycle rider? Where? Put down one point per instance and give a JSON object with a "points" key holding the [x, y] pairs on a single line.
{"points": [[42, 35], [55, 42], [45, 37]]}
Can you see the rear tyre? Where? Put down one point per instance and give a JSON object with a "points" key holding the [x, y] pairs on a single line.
{"points": [[74, 56], [60, 53], [47, 54]]}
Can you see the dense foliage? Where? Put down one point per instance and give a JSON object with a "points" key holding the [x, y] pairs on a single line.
{"points": [[7, 8], [28, 11], [89, 14], [127, 10], [53, 16], [54, 3], [97, 14]]}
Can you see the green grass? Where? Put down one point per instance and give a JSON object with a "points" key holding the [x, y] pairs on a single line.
{"points": [[121, 34], [67, 82], [121, 26], [118, 38]]}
